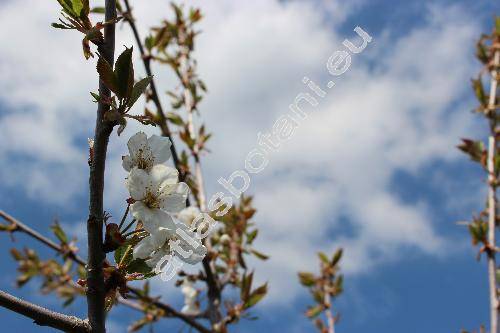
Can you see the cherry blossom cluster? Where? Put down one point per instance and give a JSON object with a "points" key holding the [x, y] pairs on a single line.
{"points": [[159, 204]]}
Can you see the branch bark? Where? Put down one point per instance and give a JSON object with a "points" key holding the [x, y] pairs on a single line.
{"points": [[103, 129], [42, 316], [492, 201]]}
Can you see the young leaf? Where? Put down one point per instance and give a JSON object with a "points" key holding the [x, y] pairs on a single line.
{"points": [[259, 255], [138, 266], [336, 257], [256, 296], [307, 279], [138, 90], [124, 73], [59, 233], [106, 74], [314, 311], [123, 255]]}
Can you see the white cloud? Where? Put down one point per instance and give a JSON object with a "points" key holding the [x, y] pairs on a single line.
{"points": [[397, 108]]}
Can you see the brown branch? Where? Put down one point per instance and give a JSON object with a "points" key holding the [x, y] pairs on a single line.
{"points": [[171, 311], [21, 227], [103, 129], [42, 316]]}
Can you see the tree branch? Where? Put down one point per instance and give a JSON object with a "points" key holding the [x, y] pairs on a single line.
{"points": [[103, 129], [492, 201], [43, 316], [170, 310], [21, 227]]}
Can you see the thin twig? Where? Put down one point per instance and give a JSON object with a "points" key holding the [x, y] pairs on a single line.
{"points": [[42, 316], [21, 227]]}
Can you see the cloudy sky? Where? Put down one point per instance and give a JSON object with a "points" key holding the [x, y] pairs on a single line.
{"points": [[372, 169]]}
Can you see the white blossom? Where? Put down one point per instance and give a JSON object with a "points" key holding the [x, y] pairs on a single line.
{"points": [[181, 242], [191, 306], [188, 215], [145, 153], [158, 195]]}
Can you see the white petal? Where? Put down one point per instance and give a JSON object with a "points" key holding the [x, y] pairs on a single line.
{"points": [[137, 183], [198, 254], [155, 221], [127, 163], [164, 175], [144, 248], [136, 143], [198, 249], [172, 198], [160, 148], [188, 215], [156, 257]]}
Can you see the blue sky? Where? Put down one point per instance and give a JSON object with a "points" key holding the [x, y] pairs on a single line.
{"points": [[373, 169]]}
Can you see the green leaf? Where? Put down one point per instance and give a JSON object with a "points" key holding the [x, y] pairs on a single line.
{"points": [[246, 286], [59, 233], [97, 98], [77, 7], [259, 255], [256, 296], [175, 119], [106, 74], [479, 90], [16, 254], [324, 258], [123, 255], [307, 279], [149, 42], [67, 7], [251, 236], [138, 90], [336, 257], [138, 266], [124, 73], [59, 26], [98, 10], [314, 311]]}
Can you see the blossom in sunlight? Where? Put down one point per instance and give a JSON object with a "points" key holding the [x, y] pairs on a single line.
{"points": [[180, 242], [146, 152], [157, 195], [188, 215], [191, 306]]}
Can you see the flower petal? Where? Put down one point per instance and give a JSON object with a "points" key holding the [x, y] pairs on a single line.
{"points": [[172, 198], [160, 148], [144, 248], [127, 163], [156, 257], [164, 175], [138, 182], [188, 215], [137, 142]]}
